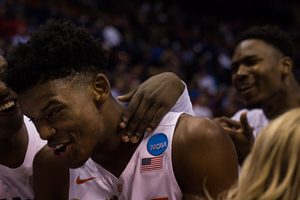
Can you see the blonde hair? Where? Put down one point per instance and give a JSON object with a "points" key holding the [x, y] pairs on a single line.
{"points": [[272, 170]]}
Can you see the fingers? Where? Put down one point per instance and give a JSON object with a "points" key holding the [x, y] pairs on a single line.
{"points": [[135, 118], [247, 129], [149, 122], [126, 97], [143, 119], [232, 133], [161, 112], [227, 122], [220, 121], [131, 107], [148, 103]]}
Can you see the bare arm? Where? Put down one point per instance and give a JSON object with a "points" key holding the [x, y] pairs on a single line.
{"points": [[50, 176], [148, 104], [203, 154]]}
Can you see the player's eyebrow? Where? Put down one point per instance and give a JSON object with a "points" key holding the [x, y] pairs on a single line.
{"points": [[51, 102]]}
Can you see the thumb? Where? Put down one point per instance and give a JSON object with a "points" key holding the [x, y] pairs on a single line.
{"points": [[126, 97], [245, 125]]}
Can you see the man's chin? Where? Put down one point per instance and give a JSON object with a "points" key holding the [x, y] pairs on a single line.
{"points": [[74, 165], [252, 104]]}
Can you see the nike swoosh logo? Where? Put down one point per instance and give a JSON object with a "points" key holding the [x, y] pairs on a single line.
{"points": [[81, 181]]}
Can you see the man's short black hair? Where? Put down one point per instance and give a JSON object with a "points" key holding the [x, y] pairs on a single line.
{"points": [[271, 35], [55, 50]]}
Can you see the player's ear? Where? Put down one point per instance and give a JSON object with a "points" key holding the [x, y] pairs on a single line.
{"points": [[101, 88], [286, 65]]}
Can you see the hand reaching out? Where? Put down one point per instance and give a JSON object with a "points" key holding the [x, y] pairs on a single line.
{"points": [[240, 133], [148, 104]]}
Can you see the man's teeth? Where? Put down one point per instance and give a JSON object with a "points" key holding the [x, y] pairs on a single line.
{"points": [[7, 105], [58, 146], [245, 87]]}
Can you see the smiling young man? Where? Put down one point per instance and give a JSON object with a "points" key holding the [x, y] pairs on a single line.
{"points": [[262, 74], [59, 76], [19, 142]]}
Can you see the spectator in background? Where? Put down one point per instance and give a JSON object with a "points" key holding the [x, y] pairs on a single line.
{"points": [[118, 87], [22, 35], [201, 108], [187, 30]]}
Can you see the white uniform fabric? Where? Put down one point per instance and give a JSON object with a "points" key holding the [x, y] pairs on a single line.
{"points": [[148, 176], [256, 119], [17, 183], [184, 103]]}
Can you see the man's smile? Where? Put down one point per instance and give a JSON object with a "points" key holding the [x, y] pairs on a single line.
{"points": [[246, 88], [61, 151], [8, 107]]}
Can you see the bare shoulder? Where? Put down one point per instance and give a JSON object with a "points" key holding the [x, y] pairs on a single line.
{"points": [[202, 152], [45, 154], [45, 159], [50, 174], [191, 128], [201, 134]]}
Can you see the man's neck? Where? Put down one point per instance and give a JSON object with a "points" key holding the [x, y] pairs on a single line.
{"points": [[116, 161], [283, 101], [111, 152]]}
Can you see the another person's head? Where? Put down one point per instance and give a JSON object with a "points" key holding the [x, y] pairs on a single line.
{"points": [[11, 116], [272, 170], [262, 62], [59, 76]]}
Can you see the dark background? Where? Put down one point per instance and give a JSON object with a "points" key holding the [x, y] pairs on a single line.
{"points": [[193, 39]]}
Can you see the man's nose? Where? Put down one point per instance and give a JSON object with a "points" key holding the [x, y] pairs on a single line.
{"points": [[45, 131], [242, 70]]}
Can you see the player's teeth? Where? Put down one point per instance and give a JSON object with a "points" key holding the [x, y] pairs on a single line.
{"points": [[58, 146], [7, 105]]}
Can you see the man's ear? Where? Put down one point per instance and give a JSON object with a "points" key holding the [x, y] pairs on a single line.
{"points": [[101, 88], [286, 65]]}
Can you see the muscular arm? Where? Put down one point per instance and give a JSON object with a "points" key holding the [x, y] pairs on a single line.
{"points": [[50, 176], [203, 154]]}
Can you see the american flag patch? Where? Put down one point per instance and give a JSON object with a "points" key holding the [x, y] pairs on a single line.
{"points": [[152, 164]]}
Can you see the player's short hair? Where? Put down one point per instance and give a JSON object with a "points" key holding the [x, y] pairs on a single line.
{"points": [[55, 50]]}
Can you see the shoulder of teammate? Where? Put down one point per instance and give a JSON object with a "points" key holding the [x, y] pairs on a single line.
{"points": [[203, 151], [50, 174]]}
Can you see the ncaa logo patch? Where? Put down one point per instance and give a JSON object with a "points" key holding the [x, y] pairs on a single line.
{"points": [[157, 144]]}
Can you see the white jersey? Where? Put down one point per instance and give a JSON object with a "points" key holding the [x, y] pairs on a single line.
{"points": [[256, 119], [184, 103], [16, 183], [148, 175]]}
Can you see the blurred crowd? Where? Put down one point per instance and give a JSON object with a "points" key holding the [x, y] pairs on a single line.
{"points": [[193, 39]]}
